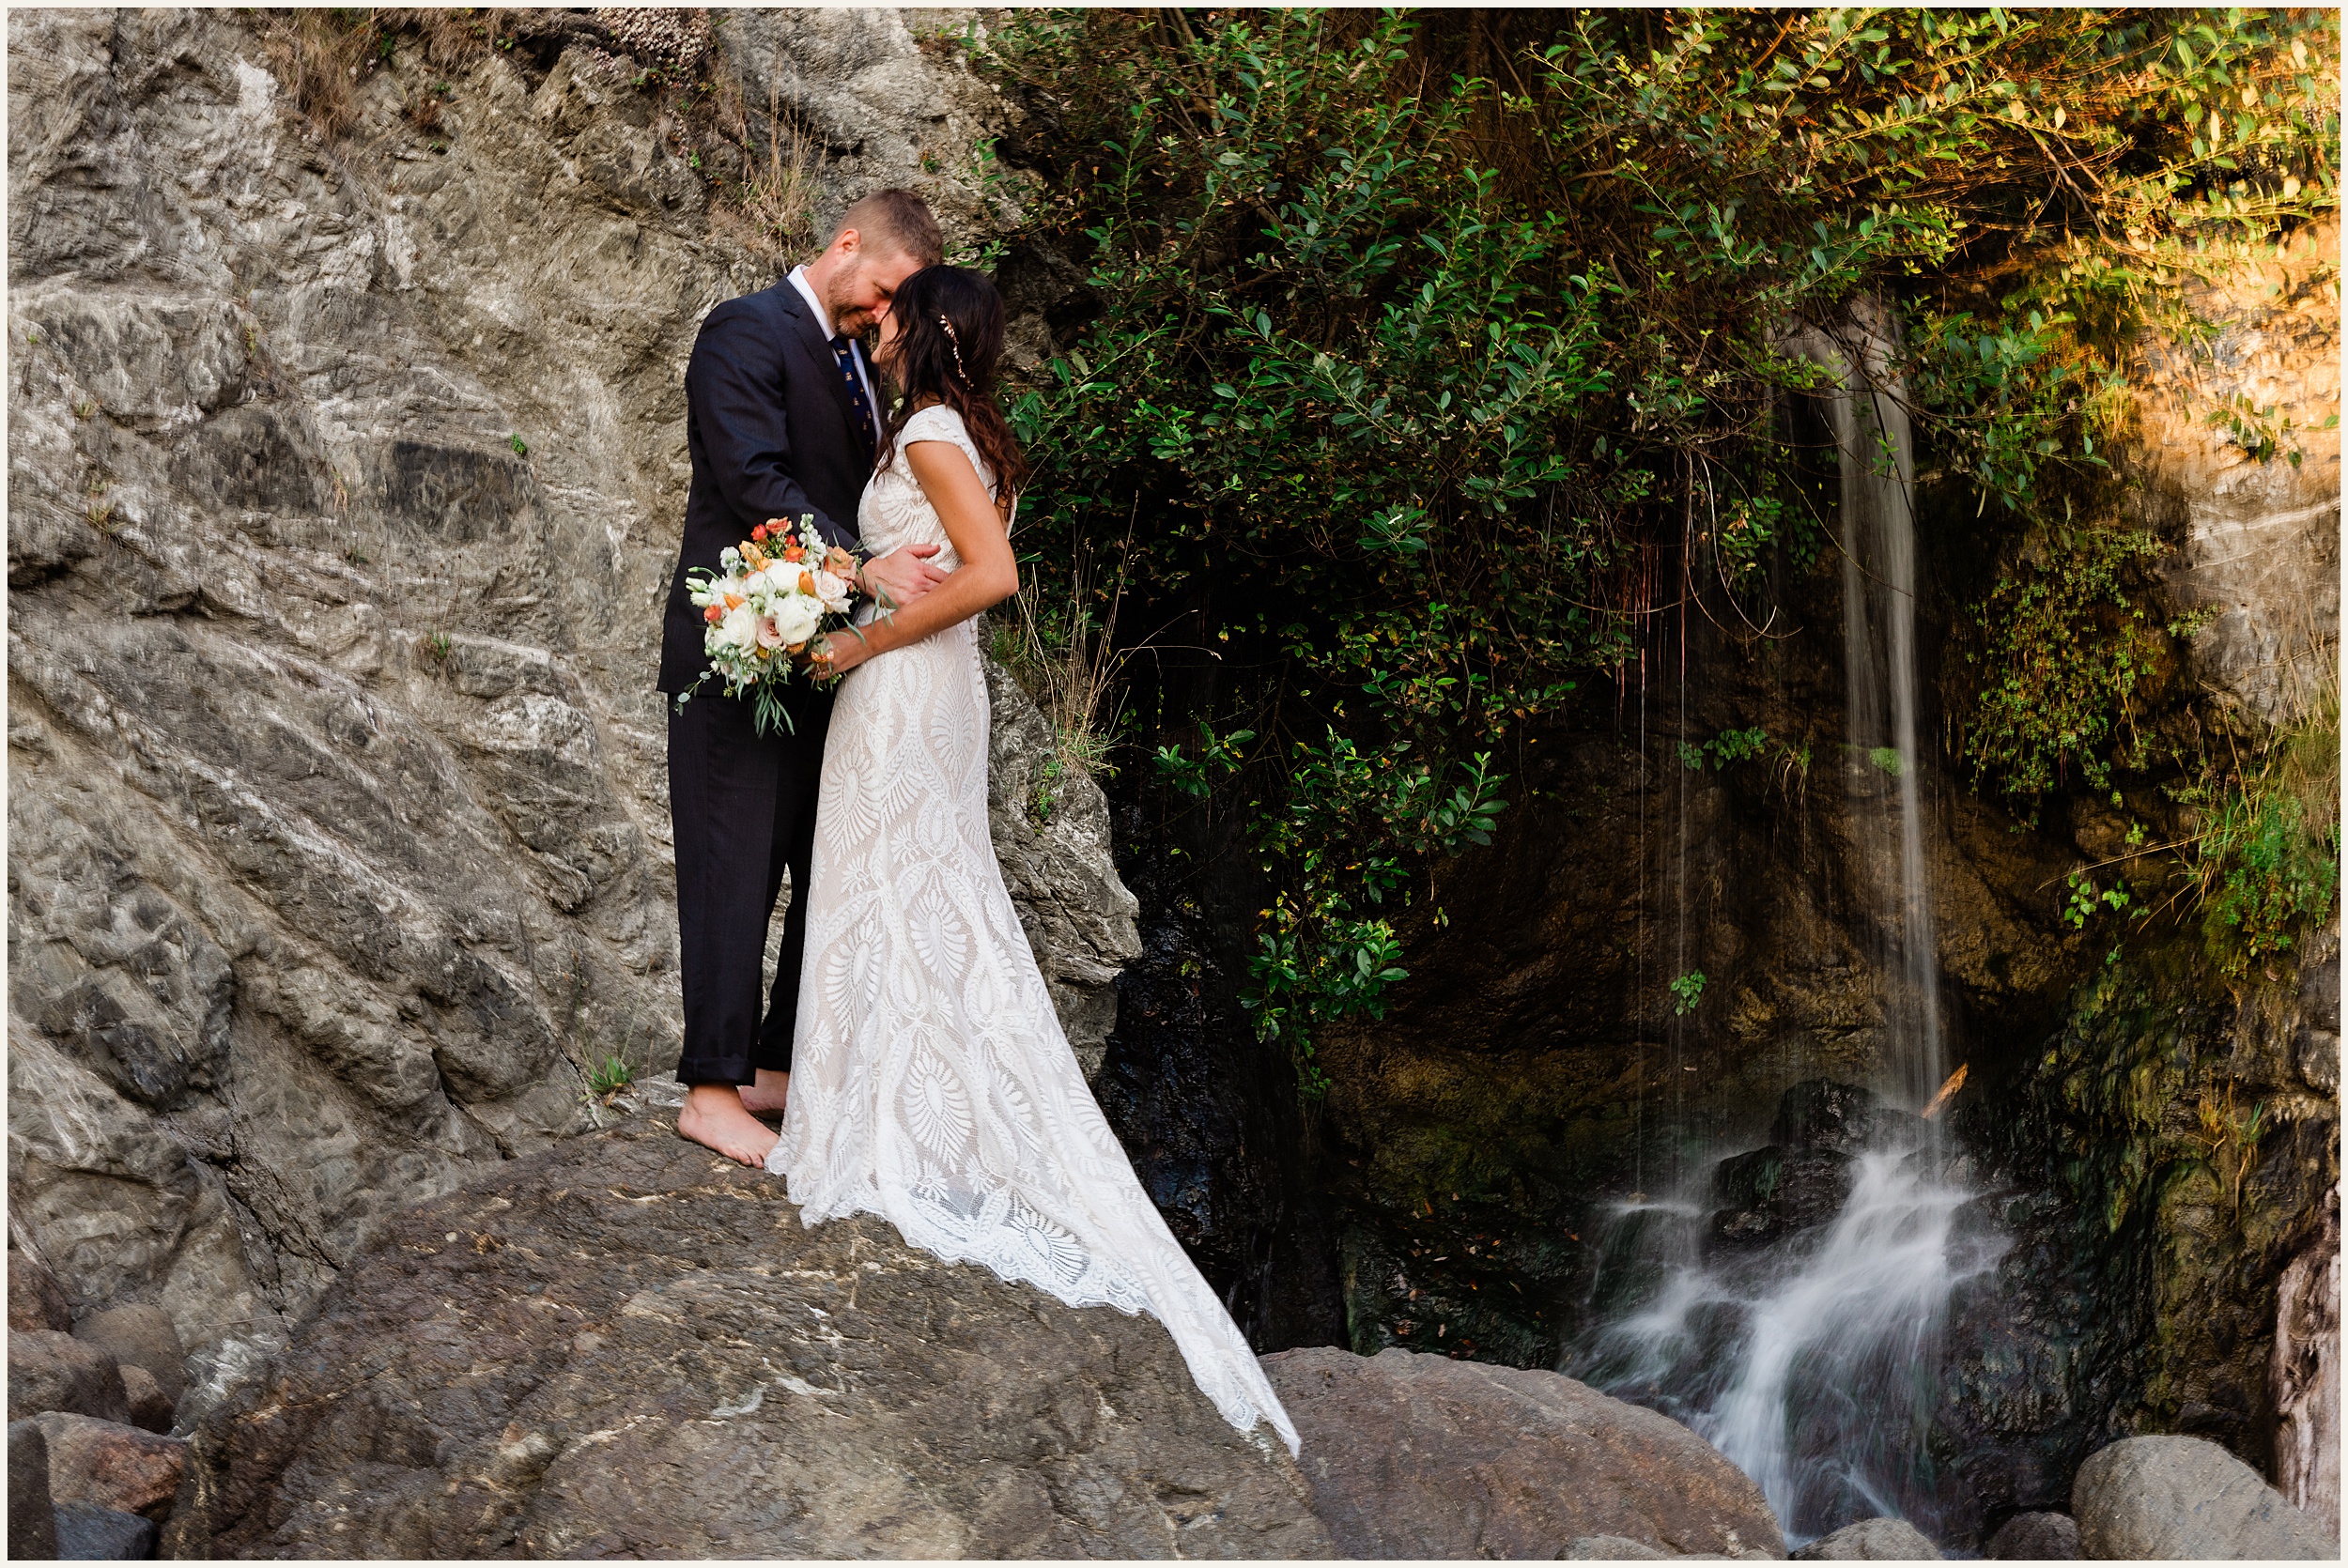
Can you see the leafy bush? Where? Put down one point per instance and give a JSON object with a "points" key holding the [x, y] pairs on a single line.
{"points": [[2268, 850], [1412, 387], [2063, 643]]}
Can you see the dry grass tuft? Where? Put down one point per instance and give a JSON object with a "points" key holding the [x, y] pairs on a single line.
{"points": [[771, 209], [1067, 664], [320, 54]]}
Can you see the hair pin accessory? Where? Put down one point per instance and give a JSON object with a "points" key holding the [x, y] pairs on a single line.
{"points": [[955, 340]]}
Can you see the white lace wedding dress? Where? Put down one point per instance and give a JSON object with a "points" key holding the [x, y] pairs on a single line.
{"points": [[930, 1081]]}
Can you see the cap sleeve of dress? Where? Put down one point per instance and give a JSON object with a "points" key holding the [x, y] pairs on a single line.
{"points": [[938, 423]]}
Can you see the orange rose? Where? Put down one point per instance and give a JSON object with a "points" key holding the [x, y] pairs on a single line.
{"points": [[797, 552], [713, 615], [759, 533]]}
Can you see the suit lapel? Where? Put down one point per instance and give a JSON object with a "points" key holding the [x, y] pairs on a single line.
{"points": [[811, 337]]}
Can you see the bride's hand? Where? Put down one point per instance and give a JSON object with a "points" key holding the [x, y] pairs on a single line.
{"points": [[842, 651]]}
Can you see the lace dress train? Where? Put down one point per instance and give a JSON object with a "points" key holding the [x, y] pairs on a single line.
{"points": [[931, 1083]]}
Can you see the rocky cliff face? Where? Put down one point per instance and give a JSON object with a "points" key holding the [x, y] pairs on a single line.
{"points": [[344, 479]]}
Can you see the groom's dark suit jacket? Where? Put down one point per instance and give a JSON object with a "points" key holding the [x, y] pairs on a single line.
{"points": [[772, 434]]}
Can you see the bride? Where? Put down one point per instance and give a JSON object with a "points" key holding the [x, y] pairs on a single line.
{"points": [[930, 1084]]}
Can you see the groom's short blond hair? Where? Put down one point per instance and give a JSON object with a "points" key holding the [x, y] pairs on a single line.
{"points": [[898, 222]]}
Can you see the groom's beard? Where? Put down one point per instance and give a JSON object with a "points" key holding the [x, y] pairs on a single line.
{"points": [[849, 319]]}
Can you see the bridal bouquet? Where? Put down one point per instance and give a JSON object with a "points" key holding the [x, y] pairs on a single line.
{"points": [[771, 596]]}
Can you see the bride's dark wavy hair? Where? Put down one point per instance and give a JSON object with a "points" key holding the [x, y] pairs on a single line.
{"points": [[949, 325]]}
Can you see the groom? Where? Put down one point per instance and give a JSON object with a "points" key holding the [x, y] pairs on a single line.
{"points": [[782, 420]]}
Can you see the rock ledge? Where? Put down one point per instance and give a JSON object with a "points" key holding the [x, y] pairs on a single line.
{"points": [[625, 1346]]}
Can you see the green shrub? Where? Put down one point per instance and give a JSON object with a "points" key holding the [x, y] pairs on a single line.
{"points": [[2268, 850], [2063, 643], [1402, 390]]}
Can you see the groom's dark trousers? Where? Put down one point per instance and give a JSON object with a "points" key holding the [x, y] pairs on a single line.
{"points": [[772, 433]]}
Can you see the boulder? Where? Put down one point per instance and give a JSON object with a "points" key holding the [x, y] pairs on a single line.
{"points": [[1421, 1457], [1050, 824], [111, 1465], [1871, 1540], [1771, 1191], [2036, 1538], [1819, 1112], [49, 1371], [2186, 1498], [140, 1336], [1610, 1548], [626, 1346], [149, 1410], [32, 1517], [35, 1300], [93, 1534]]}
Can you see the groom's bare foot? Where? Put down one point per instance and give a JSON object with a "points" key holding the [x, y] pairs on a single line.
{"points": [[767, 1097], [714, 1115]]}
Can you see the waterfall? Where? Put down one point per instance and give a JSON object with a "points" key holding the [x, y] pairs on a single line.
{"points": [[1788, 1302], [1866, 407]]}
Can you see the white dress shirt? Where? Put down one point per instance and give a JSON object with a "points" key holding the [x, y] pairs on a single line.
{"points": [[822, 319]]}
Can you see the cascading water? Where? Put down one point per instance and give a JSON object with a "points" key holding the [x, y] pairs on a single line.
{"points": [[1789, 1305], [1867, 408]]}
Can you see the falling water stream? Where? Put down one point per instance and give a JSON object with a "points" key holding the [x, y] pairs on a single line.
{"points": [[1809, 1357]]}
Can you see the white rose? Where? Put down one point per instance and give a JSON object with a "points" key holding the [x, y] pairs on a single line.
{"points": [[833, 592], [781, 576], [795, 618], [739, 629]]}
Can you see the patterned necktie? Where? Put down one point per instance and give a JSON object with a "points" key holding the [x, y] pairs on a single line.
{"points": [[844, 350]]}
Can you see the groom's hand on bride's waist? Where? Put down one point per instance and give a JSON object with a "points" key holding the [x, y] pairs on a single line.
{"points": [[902, 576]]}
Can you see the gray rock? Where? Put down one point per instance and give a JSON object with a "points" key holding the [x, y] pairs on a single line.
{"points": [[49, 1371], [2185, 1498], [1051, 829], [1611, 1549], [2303, 1379], [32, 1517], [112, 1465], [141, 1336], [2259, 542], [1871, 1540], [628, 1346], [89, 1533], [335, 773], [35, 1300], [2036, 1538], [1422, 1456]]}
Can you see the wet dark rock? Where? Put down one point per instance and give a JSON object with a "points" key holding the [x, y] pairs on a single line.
{"points": [[1774, 1190], [35, 1300], [1871, 1540], [1821, 1113], [1414, 1456], [2036, 1538], [143, 1336], [49, 1371], [32, 1517], [629, 1346], [112, 1465], [88, 1533], [2184, 1498]]}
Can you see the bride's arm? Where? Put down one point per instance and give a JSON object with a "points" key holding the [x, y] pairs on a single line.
{"points": [[989, 572]]}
